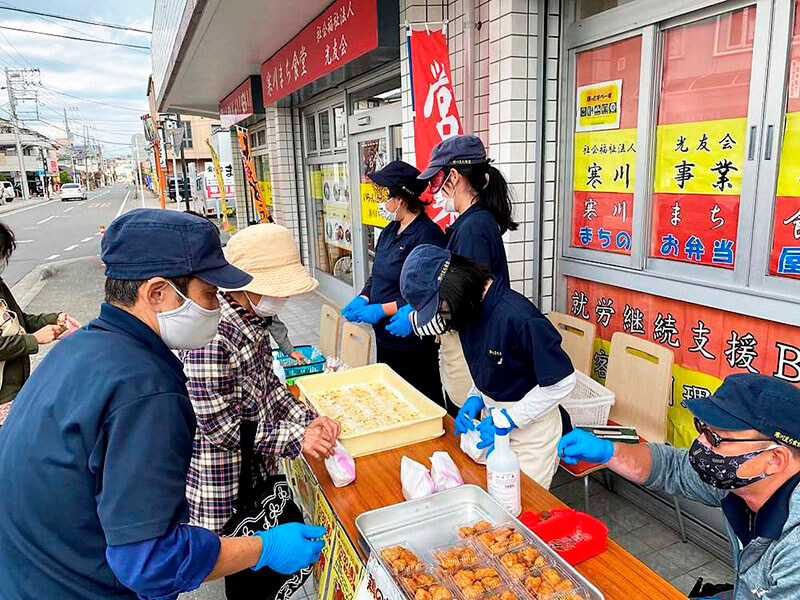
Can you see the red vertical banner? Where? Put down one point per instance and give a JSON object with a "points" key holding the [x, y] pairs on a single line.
{"points": [[435, 112]]}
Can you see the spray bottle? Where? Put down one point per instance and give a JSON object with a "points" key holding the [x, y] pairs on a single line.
{"points": [[502, 467]]}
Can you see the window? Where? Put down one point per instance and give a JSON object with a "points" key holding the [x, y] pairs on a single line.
{"points": [[262, 137], [587, 8], [311, 133], [324, 130], [330, 192], [188, 142], [340, 126]]}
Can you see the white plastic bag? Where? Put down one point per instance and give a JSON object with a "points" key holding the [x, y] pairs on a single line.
{"points": [[280, 373], [415, 479], [444, 472], [341, 466], [469, 445]]}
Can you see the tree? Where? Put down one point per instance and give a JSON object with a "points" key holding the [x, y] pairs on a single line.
{"points": [[64, 177]]}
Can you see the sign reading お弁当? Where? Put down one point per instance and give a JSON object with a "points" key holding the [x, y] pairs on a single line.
{"points": [[599, 106]]}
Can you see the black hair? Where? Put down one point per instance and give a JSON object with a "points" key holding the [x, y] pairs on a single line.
{"points": [[462, 290], [125, 292], [492, 190], [414, 203], [7, 242]]}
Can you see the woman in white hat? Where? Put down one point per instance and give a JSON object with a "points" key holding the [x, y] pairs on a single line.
{"points": [[231, 379]]}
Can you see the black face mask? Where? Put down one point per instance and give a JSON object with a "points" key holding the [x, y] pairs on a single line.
{"points": [[721, 471]]}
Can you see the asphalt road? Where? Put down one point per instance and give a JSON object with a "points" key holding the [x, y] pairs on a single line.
{"points": [[58, 230]]}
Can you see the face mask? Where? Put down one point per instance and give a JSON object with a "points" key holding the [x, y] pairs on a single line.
{"points": [[384, 212], [721, 471], [449, 203], [189, 326], [268, 306]]}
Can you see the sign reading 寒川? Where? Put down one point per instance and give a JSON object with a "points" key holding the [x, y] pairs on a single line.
{"points": [[598, 106]]}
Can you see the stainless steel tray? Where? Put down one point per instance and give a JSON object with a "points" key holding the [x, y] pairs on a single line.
{"points": [[434, 520]]}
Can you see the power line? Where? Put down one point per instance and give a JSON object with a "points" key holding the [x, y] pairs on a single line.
{"points": [[72, 37], [77, 135], [136, 110], [24, 60], [75, 20], [8, 6]]}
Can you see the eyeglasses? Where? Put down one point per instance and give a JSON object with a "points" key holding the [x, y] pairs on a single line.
{"points": [[437, 181], [716, 439]]}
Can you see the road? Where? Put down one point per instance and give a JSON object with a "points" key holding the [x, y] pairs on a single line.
{"points": [[57, 230]]}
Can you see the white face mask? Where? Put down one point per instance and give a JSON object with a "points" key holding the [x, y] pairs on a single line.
{"points": [[385, 213], [189, 326], [449, 203], [268, 306]]}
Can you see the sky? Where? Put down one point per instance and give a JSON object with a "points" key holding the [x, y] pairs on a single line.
{"points": [[109, 74]]}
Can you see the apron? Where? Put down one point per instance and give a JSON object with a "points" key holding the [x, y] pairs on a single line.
{"points": [[453, 367]]}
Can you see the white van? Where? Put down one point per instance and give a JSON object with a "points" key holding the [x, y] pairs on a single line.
{"points": [[7, 193]]}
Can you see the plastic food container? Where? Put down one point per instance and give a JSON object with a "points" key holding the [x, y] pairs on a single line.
{"points": [[452, 557], [411, 581], [511, 592], [316, 362], [518, 563], [436, 591], [500, 539], [470, 530], [576, 536], [550, 583], [401, 559], [474, 583], [426, 427]]}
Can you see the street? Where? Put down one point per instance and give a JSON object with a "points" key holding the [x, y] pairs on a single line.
{"points": [[57, 230]]}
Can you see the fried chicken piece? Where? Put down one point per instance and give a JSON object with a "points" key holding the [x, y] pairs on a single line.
{"points": [[546, 590], [533, 583], [508, 595], [464, 578], [456, 557], [474, 591], [402, 560], [491, 583], [564, 586], [440, 592], [551, 575], [528, 555], [485, 572], [516, 538], [480, 526], [572, 597], [539, 562], [418, 579], [422, 594]]}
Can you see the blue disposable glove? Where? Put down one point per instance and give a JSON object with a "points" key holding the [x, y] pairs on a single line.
{"points": [[351, 307], [399, 324], [471, 409], [290, 547], [487, 429], [371, 313], [579, 445]]}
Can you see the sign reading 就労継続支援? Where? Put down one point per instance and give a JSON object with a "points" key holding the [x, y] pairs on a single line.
{"points": [[599, 106], [346, 30]]}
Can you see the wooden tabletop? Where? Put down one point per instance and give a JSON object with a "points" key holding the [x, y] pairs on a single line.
{"points": [[618, 574]]}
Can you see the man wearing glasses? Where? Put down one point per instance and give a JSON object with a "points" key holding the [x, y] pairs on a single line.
{"points": [[746, 460]]}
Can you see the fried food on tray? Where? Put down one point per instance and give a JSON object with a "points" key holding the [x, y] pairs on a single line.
{"points": [[361, 407], [508, 595], [415, 580], [519, 562], [455, 557], [402, 560], [433, 592], [547, 583], [501, 540], [473, 583], [480, 526]]}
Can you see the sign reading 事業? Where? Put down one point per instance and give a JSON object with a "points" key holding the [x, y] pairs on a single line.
{"points": [[599, 106]]}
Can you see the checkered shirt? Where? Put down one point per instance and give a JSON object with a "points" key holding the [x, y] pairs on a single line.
{"points": [[231, 379]]}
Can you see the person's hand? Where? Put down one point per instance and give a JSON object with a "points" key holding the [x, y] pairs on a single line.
{"points": [[579, 445], [371, 313], [471, 409], [488, 430], [400, 323], [317, 442], [351, 307], [48, 334], [331, 427], [299, 357], [290, 547]]}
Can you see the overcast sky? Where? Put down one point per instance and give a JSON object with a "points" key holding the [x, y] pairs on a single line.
{"points": [[109, 74]]}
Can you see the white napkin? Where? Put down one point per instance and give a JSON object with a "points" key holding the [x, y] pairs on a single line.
{"points": [[341, 466], [444, 472], [415, 479]]}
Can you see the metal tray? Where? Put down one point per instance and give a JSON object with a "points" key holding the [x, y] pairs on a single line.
{"points": [[434, 520]]}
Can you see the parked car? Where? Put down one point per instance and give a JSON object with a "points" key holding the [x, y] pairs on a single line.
{"points": [[7, 192], [72, 191]]}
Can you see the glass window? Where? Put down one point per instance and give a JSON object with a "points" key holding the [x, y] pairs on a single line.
{"points": [[340, 126], [387, 92], [700, 139], [188, 142], [330, 192], [311, 133], [264, 179], [587, 8], [372, 157], [324, 130], [605, 146]]}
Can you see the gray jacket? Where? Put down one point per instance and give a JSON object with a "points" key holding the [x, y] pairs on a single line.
{"points": [[766, 568], [280, 333]]}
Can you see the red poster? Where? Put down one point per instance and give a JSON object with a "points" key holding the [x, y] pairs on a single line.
{"points": [[346, 30], [242, 102], [435, 113], [602, 221]]}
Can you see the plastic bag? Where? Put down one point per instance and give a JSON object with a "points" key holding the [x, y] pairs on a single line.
{"points": [[415, 479], [469, 445], [279, 371], [71, 326], [341, 466], [444, 472]]}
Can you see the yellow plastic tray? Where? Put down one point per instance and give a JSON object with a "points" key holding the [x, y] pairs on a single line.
{"points": [[427, 427]]}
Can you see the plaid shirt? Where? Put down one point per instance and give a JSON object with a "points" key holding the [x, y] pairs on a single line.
{"points": [[231, 379]]}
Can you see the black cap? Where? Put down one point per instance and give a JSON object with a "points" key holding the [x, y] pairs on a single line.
{"points": [[455, 151], [421, 277], [750, 401], [399, 174]]}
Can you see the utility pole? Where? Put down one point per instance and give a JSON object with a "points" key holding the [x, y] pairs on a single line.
{"points": [[139, 169], [86, 157], [13, 105]]}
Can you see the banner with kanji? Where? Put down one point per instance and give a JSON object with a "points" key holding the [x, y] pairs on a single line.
{"points": [[708, 344], [435, 113], [223, 204], [250, 177]]}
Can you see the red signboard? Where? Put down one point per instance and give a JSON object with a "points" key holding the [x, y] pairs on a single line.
{"points": [[243, 102], [345, 31], [435, 112], [53, 167]]}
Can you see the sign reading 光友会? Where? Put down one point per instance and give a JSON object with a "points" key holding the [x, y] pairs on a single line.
{"points": [[599, 106]]}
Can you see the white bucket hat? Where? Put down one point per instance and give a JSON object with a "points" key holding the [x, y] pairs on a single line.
{"points": [[268, 252]]}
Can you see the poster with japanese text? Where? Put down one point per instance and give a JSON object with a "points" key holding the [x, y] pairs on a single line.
{"points": [[373, 157], [604, 156], [305, 486], [324, 517], [250, 177], [334, 191], [708, 344], [348, 569]]}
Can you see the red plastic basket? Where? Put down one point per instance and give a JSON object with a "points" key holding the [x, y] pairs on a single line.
{"points": [[564, 522]]}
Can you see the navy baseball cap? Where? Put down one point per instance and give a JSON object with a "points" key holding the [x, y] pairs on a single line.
{"points": [[421, 277], [750, 401], [399, 174], [148, 242], [455, 151]]}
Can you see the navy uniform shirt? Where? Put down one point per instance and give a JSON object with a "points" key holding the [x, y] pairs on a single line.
{"points": [[511, 347], [94, 453], [476, 235], [383, 284]]}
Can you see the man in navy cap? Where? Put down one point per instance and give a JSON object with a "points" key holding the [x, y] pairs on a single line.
{"points": [[94, 454], [746, 459]]}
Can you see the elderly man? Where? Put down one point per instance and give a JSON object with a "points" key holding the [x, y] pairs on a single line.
{"points": [[95, 452], [745, 460]]}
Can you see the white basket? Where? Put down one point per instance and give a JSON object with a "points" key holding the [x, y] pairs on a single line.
{"points": [[589, 403]]}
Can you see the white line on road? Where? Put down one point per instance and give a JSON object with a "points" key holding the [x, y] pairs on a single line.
{"points": [[88, 239], [24, 241], [19, 210], [66, 210], [52, 257], [50, 218], [122, 206], [68, 248]]}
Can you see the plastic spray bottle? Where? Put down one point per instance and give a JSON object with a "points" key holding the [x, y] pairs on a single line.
{"points": [[502, 467]]}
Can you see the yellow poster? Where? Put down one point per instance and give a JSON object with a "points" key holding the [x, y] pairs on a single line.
{"points": [[305, 486], [266, 191], [599, 106], [605, 162], [704, 157], [789, 174], [686, 385], [324, 517], [347, 568], [369, 206]]}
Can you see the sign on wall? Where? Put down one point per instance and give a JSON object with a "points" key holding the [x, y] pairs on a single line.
{"points": [[243, 102], [599, 106]]}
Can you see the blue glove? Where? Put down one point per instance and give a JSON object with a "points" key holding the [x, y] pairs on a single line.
{"points": [[371, 313], [351, 307], [399, 324], [290, 547], [487, 429], [579, 445], [471, 409]]}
